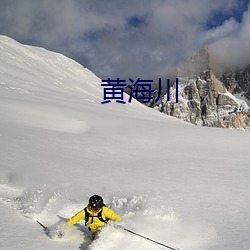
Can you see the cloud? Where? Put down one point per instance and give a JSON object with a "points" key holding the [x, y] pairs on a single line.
{"points": [[233, 49], [228, 28], [117, 38]]}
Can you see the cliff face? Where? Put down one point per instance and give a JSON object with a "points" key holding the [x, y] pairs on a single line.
{"points": [[237, 81], [206, 98]]}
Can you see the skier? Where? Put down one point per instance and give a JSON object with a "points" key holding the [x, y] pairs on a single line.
{"points": [[95, 214]]}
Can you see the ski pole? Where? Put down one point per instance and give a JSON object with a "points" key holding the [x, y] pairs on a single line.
{"points": [[146, 238], [45, 228]]}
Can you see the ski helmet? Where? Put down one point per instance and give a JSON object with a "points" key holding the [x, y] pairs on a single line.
{"points": [[95, 202]]}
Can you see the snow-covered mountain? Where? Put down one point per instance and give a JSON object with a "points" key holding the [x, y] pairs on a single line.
{"points": [[207, 95], [182, 185]]}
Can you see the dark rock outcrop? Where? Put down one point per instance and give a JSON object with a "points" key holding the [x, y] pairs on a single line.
{"points": [[206, 98]]}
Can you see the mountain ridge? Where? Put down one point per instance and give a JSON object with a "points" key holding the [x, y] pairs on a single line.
{"points": [[206, 95]]}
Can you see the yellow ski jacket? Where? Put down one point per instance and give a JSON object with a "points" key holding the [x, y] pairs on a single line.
{"points": [[94, 223]]}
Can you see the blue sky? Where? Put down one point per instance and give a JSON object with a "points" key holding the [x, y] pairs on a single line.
{"points": [[131, 38], [218, 17]]}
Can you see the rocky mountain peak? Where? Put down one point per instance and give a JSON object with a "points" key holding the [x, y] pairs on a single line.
{"points": [[197, 64], [206, 96]]}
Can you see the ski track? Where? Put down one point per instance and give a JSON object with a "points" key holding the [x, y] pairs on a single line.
{"points": [[145, 214]]}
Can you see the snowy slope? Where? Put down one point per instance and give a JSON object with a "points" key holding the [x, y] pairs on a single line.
{"points": [[179, 184]]}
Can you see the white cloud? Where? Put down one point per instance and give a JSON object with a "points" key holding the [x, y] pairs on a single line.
{"points": [[233, 50], [228, 28]]}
